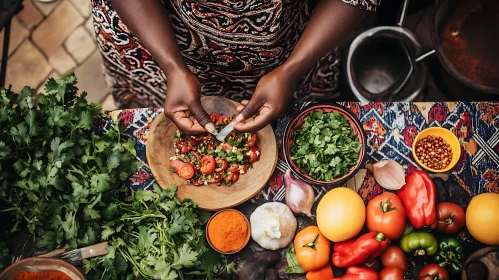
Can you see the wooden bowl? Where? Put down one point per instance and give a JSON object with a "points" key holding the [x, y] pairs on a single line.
{"points": [[298, 120], [449, 137], [245, 242], [41, 265], [212, 197]]}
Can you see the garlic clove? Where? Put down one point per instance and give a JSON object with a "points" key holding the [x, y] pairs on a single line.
{"points": [[389, 174]]}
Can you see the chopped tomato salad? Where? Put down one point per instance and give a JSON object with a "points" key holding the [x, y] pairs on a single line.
{"points": [[202, 159]]}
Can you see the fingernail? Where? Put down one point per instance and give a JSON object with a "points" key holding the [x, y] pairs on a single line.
{"points": [[210, 127], [239, 117]]}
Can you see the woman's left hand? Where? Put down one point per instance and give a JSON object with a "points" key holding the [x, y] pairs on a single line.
{"points": [[272, 96]]}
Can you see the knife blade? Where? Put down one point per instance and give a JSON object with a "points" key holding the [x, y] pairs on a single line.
{"points": [[228, 129]]}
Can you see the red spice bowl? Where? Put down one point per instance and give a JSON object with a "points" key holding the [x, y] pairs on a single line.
{"points": [[42, 266], [296, 123], [228, 231], [450, 139]]}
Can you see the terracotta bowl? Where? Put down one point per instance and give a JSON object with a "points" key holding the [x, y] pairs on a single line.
{"points": [[298, 120], [42, 265], [449, 137], [247, 237]]}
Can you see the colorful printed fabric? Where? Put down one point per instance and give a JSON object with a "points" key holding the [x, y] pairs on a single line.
{"points": [[390, 130], [229, 45]]}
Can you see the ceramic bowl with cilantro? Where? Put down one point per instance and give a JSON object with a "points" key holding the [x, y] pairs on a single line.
{"points": [[324, 144]]}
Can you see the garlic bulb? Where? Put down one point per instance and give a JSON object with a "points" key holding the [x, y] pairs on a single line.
{"points": [[389, 174], [299, 195], [273, 225]]}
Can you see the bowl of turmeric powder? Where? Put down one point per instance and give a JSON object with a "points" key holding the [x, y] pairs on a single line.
{"points": [[228, 231], [42, 269]]}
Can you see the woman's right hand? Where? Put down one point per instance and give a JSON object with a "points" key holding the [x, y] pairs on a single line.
{"points": [[183, 103]]}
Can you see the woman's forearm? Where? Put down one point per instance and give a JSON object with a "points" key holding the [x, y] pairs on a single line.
{"points": [[330, 23], [149, 21]]}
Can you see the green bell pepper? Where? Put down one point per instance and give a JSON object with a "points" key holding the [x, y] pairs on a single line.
{"points": [[419, 243], [451, 256]]}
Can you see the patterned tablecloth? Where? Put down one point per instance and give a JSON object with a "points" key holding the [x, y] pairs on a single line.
{"points": [[390, 130]]}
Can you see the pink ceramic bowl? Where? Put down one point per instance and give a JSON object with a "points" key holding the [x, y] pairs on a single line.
{"points": [[296, 122]]}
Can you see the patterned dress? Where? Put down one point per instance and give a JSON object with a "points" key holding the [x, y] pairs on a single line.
{"points": [[228, 44]]}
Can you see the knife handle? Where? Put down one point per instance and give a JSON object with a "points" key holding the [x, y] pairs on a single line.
{"points": [[94, 250]]}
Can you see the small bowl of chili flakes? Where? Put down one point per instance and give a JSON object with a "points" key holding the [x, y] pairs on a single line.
{"points": [[436, 149]]}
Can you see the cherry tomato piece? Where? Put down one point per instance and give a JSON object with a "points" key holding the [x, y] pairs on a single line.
{"points": [[184, 150], [176, 164], [254, 154], [196, 155], [433, 271], [222, 164], [207, 164], [391, 273], [233, 168], [214, 117], [186, 171], [217, 177], [226, 146], [252, 141], [232, 178]]}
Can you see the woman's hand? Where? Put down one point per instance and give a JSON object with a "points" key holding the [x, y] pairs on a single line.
{"points": [[183, 104], [269, 101]]}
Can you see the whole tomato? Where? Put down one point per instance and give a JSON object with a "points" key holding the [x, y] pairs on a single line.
{"points": [[312, 249], [433, 271], [372, 264], [391, 273], [393, 256], [450, 217], [386, 214]]}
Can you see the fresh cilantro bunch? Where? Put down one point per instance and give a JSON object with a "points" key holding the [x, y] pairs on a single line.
{"points": [[58, 177], [325, 146], [155, 236]]}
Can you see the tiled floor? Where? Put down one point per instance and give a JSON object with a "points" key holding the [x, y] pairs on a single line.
{"points": [[53, 39]]}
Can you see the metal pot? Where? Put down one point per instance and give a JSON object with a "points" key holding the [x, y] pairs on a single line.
{"points": [[471, 89], [379, 58]]}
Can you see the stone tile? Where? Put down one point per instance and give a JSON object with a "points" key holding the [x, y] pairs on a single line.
{"points": [[89, 25], [90, 78], [109, 104], [17, 35], [83, 6], [61, 61], [80, 44], [26, 67], [46, 7], [30, 16], [54, 30]]}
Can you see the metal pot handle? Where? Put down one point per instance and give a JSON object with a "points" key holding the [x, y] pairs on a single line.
{"points": [[403, 13]]}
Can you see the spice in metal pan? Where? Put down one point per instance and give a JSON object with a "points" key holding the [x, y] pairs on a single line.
{"points": [[470, 41], [53, 275], [228, 231]]}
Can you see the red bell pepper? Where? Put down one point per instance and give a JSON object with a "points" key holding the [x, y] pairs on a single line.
{"points": [[359, 273], [419, 198], [354, 252]]}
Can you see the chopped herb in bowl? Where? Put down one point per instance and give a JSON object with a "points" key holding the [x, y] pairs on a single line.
{"points": [[324, 146]]}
